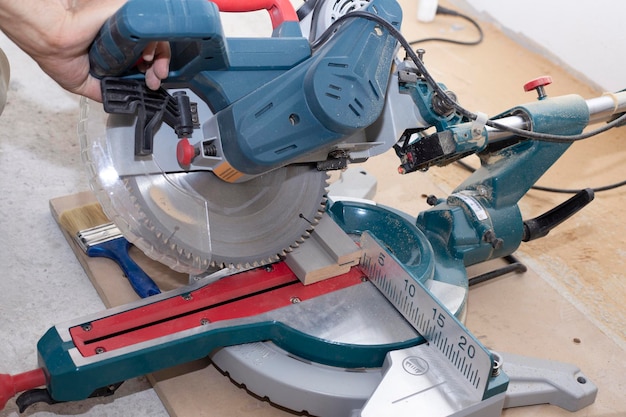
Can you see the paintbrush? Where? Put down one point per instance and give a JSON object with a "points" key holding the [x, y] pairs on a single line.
{"points": [[99, 237]]}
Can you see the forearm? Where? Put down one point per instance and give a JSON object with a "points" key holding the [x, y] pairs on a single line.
{"points": [[58, 33], [40, 27]]}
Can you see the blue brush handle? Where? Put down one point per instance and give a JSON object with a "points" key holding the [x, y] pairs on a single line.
{"points": [[117, 250]]}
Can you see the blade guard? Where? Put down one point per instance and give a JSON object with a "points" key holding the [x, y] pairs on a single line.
{"points": [[186, 208]]}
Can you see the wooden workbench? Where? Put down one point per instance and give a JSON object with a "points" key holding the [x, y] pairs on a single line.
{"points": [[567, 307]]}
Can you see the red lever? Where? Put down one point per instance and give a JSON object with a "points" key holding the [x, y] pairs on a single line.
{"points": [[280, 10], [185, 152], [538, 84], [12, 384]]}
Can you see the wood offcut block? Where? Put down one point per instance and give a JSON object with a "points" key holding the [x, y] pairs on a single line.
{"points": [[328, 252]]}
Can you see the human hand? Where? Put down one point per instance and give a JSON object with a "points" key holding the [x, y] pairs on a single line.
{"points": [[58, 36]]}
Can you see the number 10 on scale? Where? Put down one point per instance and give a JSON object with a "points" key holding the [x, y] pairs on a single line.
{"points": [[443, 331]]}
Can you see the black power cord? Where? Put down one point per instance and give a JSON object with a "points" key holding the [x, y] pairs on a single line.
{"points": [[608, 187], [449, 12]]}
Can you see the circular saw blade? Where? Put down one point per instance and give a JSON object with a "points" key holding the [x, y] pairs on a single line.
{"points": [[249, 224], [193, 221]]}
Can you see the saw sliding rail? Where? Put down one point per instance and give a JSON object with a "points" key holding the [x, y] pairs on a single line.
{"points": [[96, 351], [600, 110]]}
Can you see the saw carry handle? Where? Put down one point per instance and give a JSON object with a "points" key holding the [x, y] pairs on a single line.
{"points": [[280, 10], [119, 45]]}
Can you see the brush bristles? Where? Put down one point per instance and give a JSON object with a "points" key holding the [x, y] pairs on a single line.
{"points": [[81, 218]]}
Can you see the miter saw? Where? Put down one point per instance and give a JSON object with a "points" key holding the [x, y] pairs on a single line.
{"points": [[223, 171]]}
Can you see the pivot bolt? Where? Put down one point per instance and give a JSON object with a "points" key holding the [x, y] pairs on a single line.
{"points": [[497, 364], [538, 85], [491, 238]]}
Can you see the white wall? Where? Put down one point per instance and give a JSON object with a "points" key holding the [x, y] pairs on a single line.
{"points": [[588, 36]]}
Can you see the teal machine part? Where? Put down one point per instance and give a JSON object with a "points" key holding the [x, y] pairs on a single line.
{"points": [[481, 219], [72, 376]]}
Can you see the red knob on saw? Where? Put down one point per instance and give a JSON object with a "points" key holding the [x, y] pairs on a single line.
{"points": [[12, 384], [280, 10], [185, 152], [538, 84]]}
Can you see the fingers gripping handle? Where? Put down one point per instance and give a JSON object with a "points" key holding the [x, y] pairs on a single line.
{"points": [[122, 39]]}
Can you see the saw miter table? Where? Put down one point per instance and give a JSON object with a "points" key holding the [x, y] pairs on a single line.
{"points": [[222, 175]]}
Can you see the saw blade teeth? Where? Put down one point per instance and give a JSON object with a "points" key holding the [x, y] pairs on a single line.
{"points": [[170, 247]]}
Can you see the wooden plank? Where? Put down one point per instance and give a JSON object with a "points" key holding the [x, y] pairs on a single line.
{"points": [[520, 314]]}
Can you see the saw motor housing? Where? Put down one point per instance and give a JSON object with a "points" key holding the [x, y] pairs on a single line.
{"points": [[273, 101]]}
